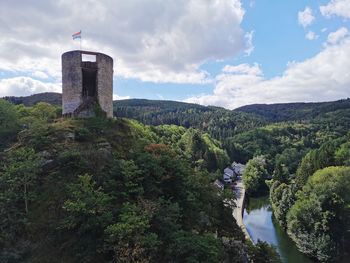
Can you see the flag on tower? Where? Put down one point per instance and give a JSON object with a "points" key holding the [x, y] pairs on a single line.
{"points": [[77, 35]]}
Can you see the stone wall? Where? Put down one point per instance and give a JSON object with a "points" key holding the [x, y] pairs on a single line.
{"points": [[72, 82]]}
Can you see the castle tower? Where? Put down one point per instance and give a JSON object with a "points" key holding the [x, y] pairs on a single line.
{"points": [[87, 82]]}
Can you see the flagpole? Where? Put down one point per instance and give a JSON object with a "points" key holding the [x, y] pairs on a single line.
{"points": [[80, 40]]}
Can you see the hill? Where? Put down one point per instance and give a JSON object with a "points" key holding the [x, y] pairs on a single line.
{"points": [[157, 112], [218, 122], [48, 97], [112, 190], [294, 111]]}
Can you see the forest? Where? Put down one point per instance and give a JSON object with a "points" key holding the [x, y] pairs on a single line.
{"points": [[113, 190], [298, 153], [142, 184]]}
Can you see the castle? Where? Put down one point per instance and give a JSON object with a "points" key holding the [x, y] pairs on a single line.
{"points": [[87, 84]]}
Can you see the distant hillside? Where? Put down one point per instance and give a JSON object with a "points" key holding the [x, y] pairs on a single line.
{"points": [[294, 111], [218, 122], [49, 97]]}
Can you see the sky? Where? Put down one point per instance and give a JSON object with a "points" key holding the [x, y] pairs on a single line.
{"points": [[226, 53]]}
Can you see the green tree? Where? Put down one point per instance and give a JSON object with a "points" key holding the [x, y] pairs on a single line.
{"points": [[44, 111], [192, 248], [130, 238], [18, 191], [280, 172], [282, 197], [317, 220], [254, 175], [342, 155], [9, 125], [21, 171], [262, 252]]}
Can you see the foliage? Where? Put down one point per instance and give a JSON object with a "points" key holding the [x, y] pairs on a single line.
{"points": [[29, 101], [317, 159], [89, 180], [342, 154], [100, 190], [218, 122], [282, 197], [254, 175], [264, 253], [294, 111], [18, 187], [9, 124], [317, 220]]}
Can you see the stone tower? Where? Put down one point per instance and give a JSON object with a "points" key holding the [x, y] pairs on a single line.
{"points": [[87, 82]]}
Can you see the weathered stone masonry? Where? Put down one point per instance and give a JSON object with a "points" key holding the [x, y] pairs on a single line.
{"points": [[86, 83]]}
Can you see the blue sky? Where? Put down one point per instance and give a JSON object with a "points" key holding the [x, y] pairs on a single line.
{"points": [[226, 53]]}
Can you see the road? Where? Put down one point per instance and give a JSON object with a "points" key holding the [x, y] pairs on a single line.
{"points": [[238, 210]]}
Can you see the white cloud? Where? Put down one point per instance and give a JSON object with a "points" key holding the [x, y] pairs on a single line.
{"points": [[160, 41], [305, 18], [249, 42], [40, 74], [323, 77], [311, 35], [336, 8], [117, 97], [243, 69], [24, 86], [337, 36]]}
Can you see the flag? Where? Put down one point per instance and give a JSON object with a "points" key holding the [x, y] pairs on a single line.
{"points": [[77, 35]]}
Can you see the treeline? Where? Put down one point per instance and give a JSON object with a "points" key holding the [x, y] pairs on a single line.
{"points": [[305, 168], [314, 205], [104, 190], [218, 122], [52, 98], [294, 111]]}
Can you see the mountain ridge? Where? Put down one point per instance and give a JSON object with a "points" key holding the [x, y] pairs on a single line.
{"points": [[55, 98]]}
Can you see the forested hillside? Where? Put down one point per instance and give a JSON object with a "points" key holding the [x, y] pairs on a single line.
{"points": [[218, 122], [299, 154], [48, 97], [294, 111], [113, 190]]}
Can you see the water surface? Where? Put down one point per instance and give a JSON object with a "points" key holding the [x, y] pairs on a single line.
{"points": [[261, 225]]}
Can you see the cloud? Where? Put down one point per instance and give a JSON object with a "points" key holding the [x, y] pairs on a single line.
{"points": [[40, 74], [243, 69], [337, 36], [305, 18], [323, 77], [117, 97], [249, 42], [24, 86], [336, 8], [159, 41], [311, 35]]}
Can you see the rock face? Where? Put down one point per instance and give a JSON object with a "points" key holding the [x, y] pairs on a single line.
{"points": [[87, 82]]}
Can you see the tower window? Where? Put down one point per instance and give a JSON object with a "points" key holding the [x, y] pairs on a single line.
{"points": [[88, 57]]}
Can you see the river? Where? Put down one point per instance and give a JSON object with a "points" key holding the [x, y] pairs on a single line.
{"points": [[261, 225]]}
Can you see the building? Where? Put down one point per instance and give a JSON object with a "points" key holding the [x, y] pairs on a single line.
{"points": [[233, 172], [229, 175], [87, 84], [238, 168]]}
